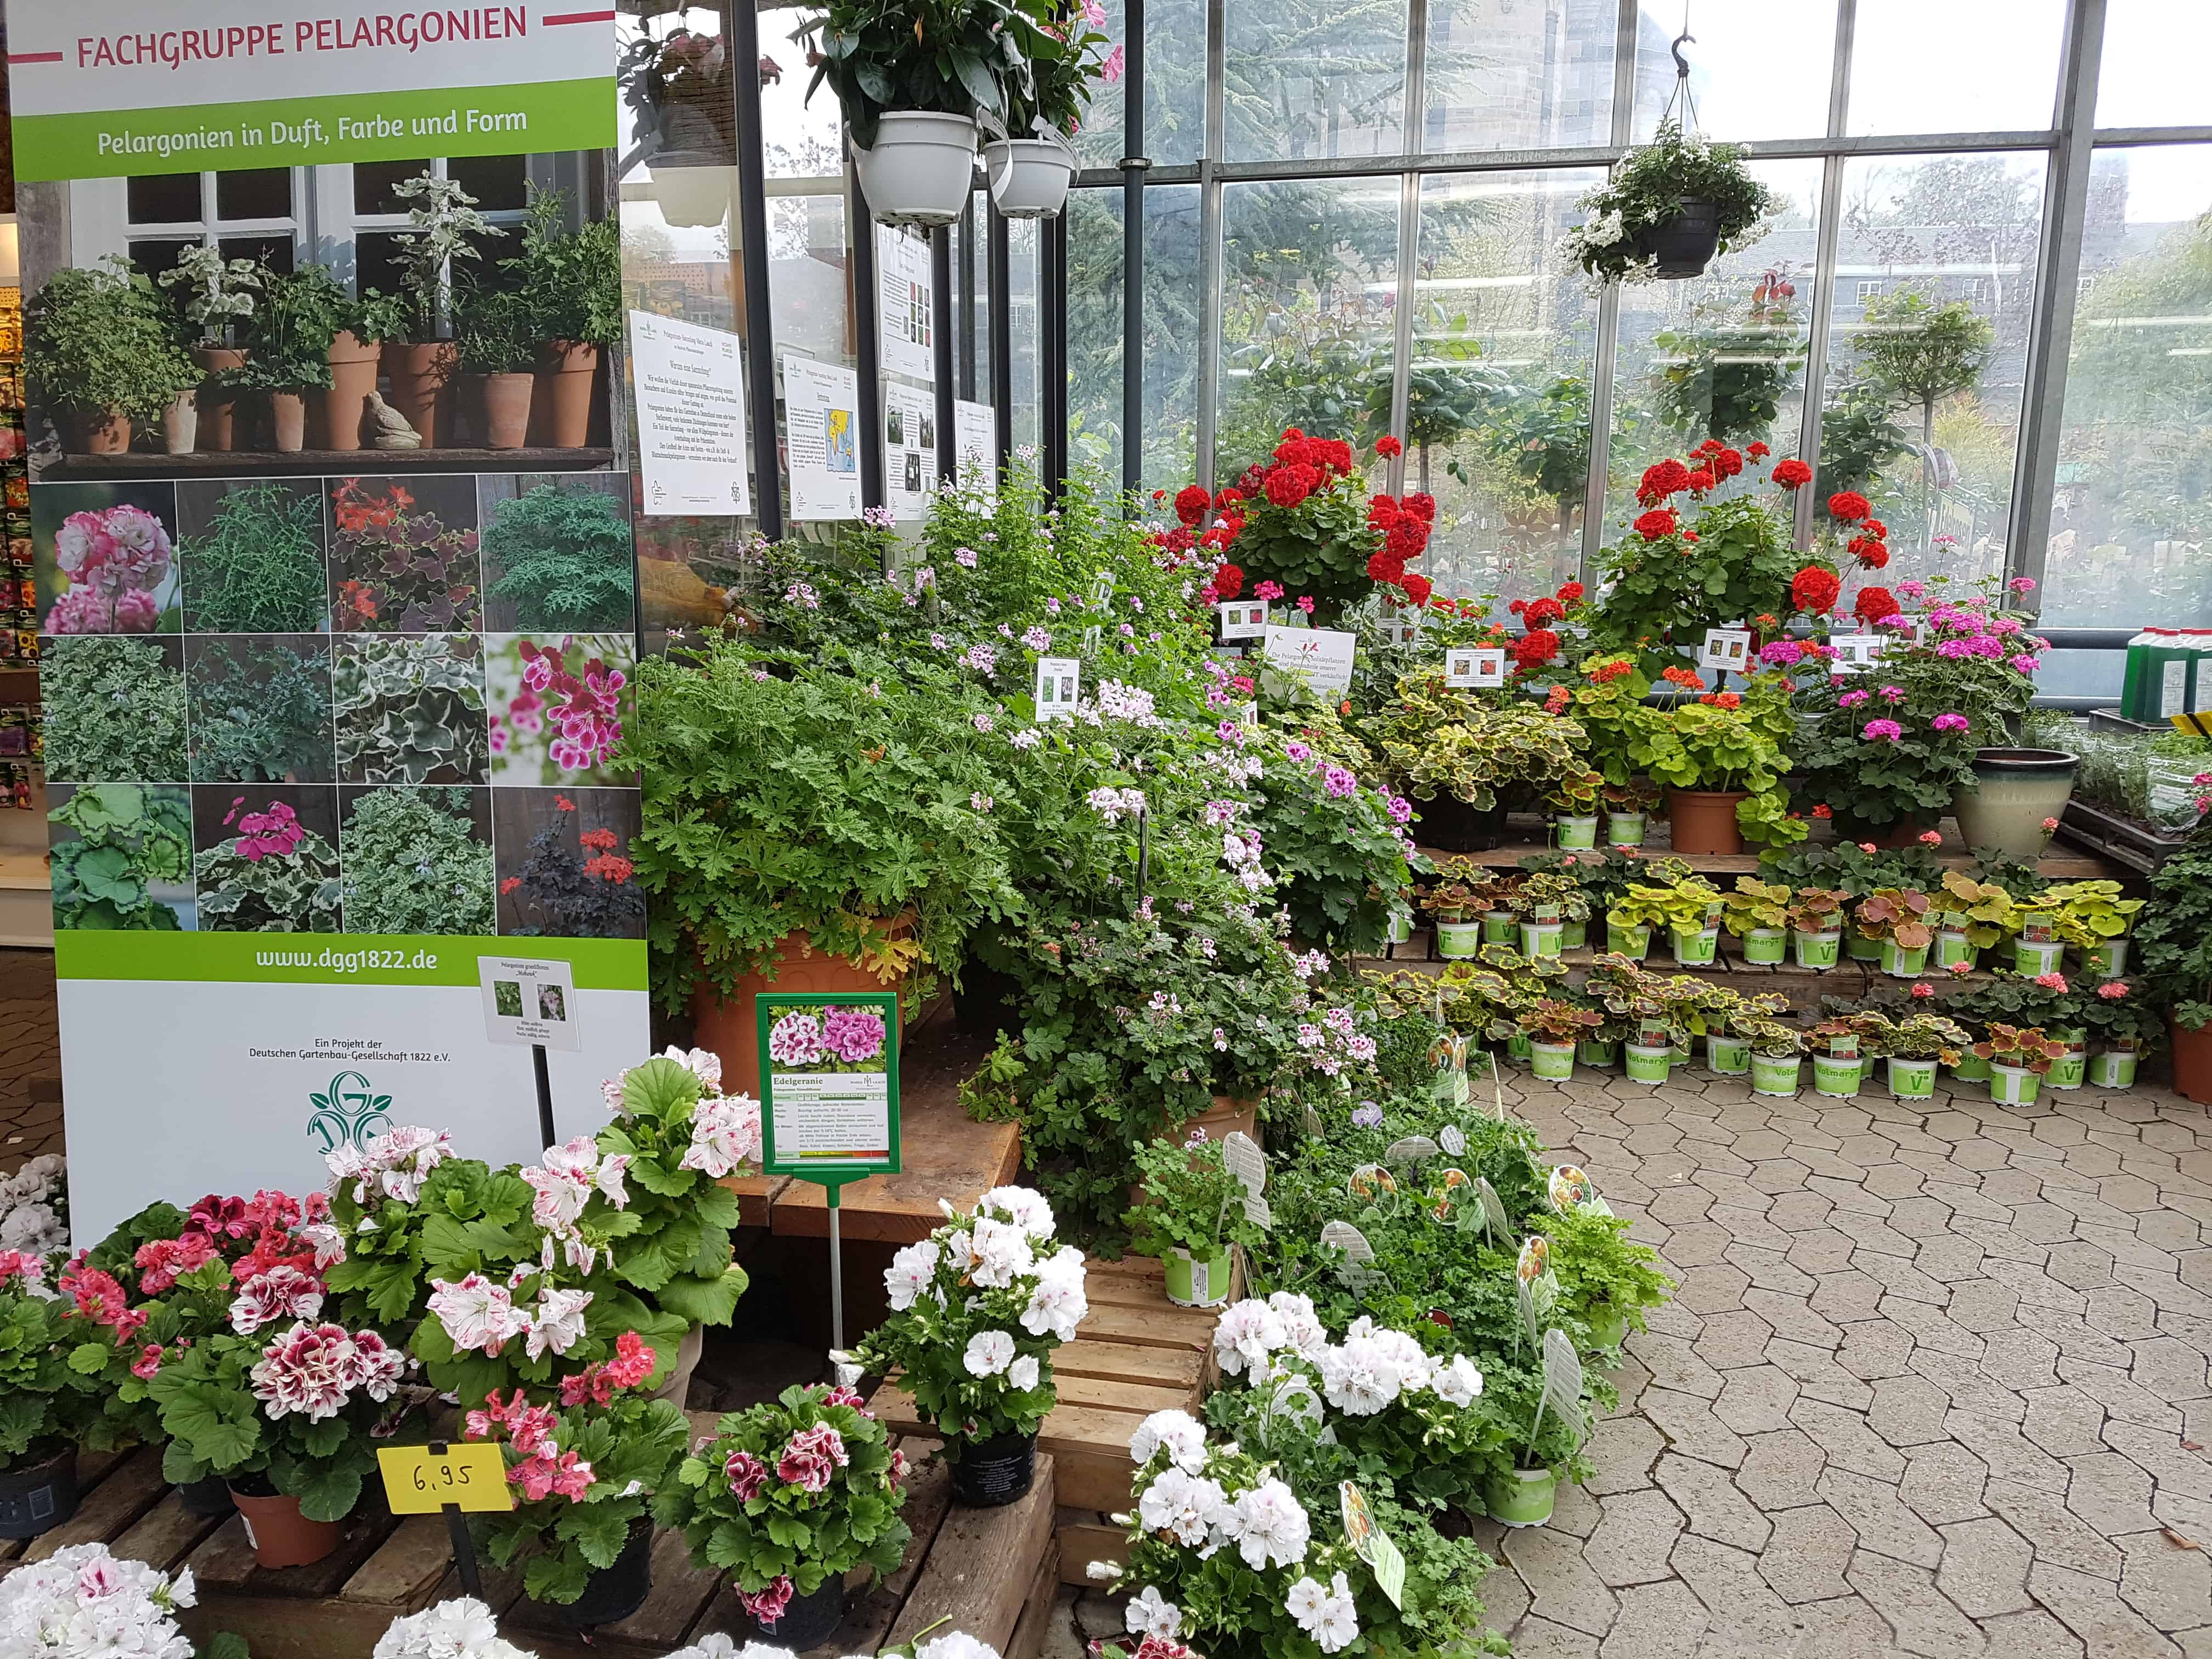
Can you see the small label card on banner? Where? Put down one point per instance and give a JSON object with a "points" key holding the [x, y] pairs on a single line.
{"points": [[1059, 686], [529, 1003], [1855, 653], [1473, 667], [1726, 648], [1371, 1543], [1243, 619], [1321, 656]]}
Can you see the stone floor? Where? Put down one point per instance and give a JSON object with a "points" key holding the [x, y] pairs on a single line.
{"points": [[30, 1059]]}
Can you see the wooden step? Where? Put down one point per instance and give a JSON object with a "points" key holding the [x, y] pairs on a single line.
{"points": [[985, 1568]]}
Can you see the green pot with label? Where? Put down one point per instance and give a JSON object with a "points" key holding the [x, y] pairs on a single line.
{"points": [[1776, 1074], [1401, 927], [1911, 1079], [1608, 1326], [1577, 831], [1648, 1065], [1523, 1497], [1951, 948], [1838, 1076], [1696, 947], [1972, 1068], [1726, 1056], [1459, 941], [1859, 948], [1197, 1282], [1903, 962], [1623, 828], [1764, 947], [1554, 1062], [1573, 934], [2032, 957], [1634, 943], [1820, 949], [1499, 927], [1541, 939], [1518, 1047], [2106, 959], [2114, 1067], [1595, 1051], [2068, 1071], [2012, 1085]]}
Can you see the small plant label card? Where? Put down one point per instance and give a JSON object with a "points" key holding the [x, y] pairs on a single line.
{"points": [[1358, 1270], [1726, 648], [1370, 1181], [529, 1004], [1371, 1543], [1243, 619], [1570, 1188], [1448, 1054], [1411, 1149], [1401, 631], [1493, 1210], [1563, 1384], [1855, 653], [1473, 667], [1845, 1046], [1452, 1138], [2037, 930], [1321, 657], [1059, 686]]}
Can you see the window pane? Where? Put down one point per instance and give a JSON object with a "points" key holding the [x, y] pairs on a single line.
{"points": [[2153, 70], [372, 182], [1498, 401], [1309, 273], [163, 198], [1935, 275], [273, 249], [155, 257], [2130, 518], [496, 181], [1721, 355], [1175, 81], [1024, 321], [1505, 74], [982, 293], [1757, 70], [808, 279], [1172, 340], [1094, 331], [376, 261], [800, 138], [255, 193], [1955, 65], [1306, 79], [1099, 141]]}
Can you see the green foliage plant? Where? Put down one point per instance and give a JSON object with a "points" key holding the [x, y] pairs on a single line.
{"points": [[444, 228], [1601, 1270], [411, 709], [114, 711], [127, 839], [2029, 1050], [493, 329], [40, 1405], [2084, 913], [1708, 746], [569, 281], [412, 864], [1922, 350], [1918, 1035], [1755, 904], [1649, 188], [257, 567], [260, 710], [1904, 915], [1437, 740], [951, 57], [289, 339], [1725, 379], [563, 560], [1682, 906], [1981, 909], [1818, 909], [2174, 940], [1190, 1201], [96, 340]]}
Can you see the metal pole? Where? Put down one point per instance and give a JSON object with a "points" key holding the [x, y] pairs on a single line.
{"points": [[1133, 164], [1209, 239], [2057, 280], [999, 276], [546, 1136], [836, 1270], [1827, 237], [1409, 237], [750, 221], [1052, 392], [968, 299], [867, 302], [1608, 305], [940, 345]]}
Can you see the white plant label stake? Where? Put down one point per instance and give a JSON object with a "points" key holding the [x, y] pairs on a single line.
{"points": [[1452, 1138], [1562, 1387], [1855, 653], [1358, 1253], [1474, 667], [1241, 1157], [1493, 1210], [1059, 686], [1728, 649], [1412, 1149]]}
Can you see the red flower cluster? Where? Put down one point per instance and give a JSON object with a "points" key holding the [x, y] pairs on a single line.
{"points": [[1688, 678], [1421, 505], [1617, 669], [1849, 507], [1668, 478], [1227, 582], [1387, 446], [1533, 649], [1191, 503], [1656, 525], [1324, 455], [1288, 485], [1571, 594], [1871, 551], [1874, 604], [1722, 699], [1404, 525], [1757, 451], [1720, 460], [1791, 473], [1535, 613], [1813, 589]]}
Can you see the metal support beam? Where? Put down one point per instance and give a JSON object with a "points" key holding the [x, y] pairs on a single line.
{"points": [[751, 228], [1051, 351], [940, 346], [2057, 280], [1409, 236], [1823, 270], [1608, 305], [866, 341], [1133, 165], [1000, 302], [1209, 239], [966, 312]]}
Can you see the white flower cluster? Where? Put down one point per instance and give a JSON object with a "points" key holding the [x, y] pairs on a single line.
{"points": [[1325, 1612], [479, 1314], [33, 1203], [953, 1644], [81, 1603], [1369, 1369], [726, 1129], [1125, 702], [1113, 804], [1266, 1522], [1251, 1331], [462, 1628], [1003, 1245], [393, 1165]]}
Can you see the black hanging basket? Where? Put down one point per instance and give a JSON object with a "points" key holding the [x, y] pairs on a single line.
{"points": [[1685, 244]]}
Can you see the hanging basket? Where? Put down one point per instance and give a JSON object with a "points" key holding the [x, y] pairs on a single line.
{"points": [[921, 168], [1685, 244], [1028, 176]]}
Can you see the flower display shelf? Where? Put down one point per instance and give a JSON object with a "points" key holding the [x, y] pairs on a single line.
{"points": [[146, 463], [2066, 864], [2122, 841], [996, 1570], [1135, 1353]]}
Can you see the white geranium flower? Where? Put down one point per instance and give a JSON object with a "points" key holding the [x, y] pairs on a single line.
{"points": [[1000, 1253], [1246, 1334], [1406, 1355], [1302, 1330], [1270, 1527], [988, 1353], [1149, 1613], [1337, 1625], [1458, 1383], [1182, 1434], [956, 1644], [1359, 1377], [1025, 1207], [558, 1323], [910, 1274], [1186, 1506], [1058, 1305], [1304, 1602], [1023, 1375]]}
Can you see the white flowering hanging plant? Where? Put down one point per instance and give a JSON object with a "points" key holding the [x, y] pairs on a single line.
{"points": [[1649, 188], [977, 1308], [83, 1602]]}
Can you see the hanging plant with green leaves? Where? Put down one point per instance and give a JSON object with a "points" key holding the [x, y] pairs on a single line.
{"points": [[1649, 188]]}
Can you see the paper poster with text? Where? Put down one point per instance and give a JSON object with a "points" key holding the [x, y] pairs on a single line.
{"points": [[334, 679]]}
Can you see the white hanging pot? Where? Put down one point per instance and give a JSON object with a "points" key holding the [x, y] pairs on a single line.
{"points": [[921, 169], [1028, 176], [692, 190]]}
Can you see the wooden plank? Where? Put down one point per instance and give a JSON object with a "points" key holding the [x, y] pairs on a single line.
{"points": [[165, 1535], [1070, 1428], [980, 1572], [282, 1627], [757, 1196], [1094, 1479], [224, 1564], [1112, 1394], [406, 1569], [1085, 1536], [1164, 1326], [1165, 1368], [109, 1508], [681, 1591], [1036, 1622]]}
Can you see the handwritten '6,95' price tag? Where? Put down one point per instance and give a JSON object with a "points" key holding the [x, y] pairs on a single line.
{"points": [[418, 1480]]}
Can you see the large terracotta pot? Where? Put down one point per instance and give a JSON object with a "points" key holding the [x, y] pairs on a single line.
{"points": [[215, 403], [1703, 820], [100, 432], [281, 1535], [726, 1025], [288, 418], [422, 376], [561, 397], [1229, 1116], [2192, 1060], [506, 403], [353, 377]]}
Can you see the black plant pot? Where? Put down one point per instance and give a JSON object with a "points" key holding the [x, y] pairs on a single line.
{"points": [[209, 1499], [1450, 824], [808, 1621], [612, 1594], [37, 1497], [1684, 244], [994, 1472]]}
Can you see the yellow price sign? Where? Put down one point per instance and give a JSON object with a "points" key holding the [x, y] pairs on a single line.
{"points": [[423, 1480]]}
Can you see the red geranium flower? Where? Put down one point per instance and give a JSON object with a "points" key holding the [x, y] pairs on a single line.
{"points": [[1535, 648], [1296, 449], [1728, 462], [1540, 612], [1869, 550], [1848, 507], [1701, 481], [1656, 525], [1571, 593], [1824, 810], [1421, 505], [1382, 512], [1688, 678], [1228, 581], [1876, 528], [1665, 479], [1290, 485], [1333, 453], [1813, 589], [1191, 503], [1387, 446], [1874, 604], [1229, 498], [1418, 588], [1791, 473], [1757, 451], [1407, 537], [1386, 566]]}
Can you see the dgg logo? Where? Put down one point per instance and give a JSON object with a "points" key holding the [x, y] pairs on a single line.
{"points": [[349, 1113]]}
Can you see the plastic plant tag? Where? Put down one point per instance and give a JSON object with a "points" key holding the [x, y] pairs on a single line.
{"points": [[1312, 1121], [1452, 1186], [1493, 1210], [1358, 1253], [1473, 667], [1726, 648], [1497, 1090], [1243, 619], [1452, 1140], [2036, 930], [1412, 1149], [1368, 1180], [1845, 1046], [1448, 1054], [1059, 686], [1855, 653], [1241, 1157], [1371, 1543], [1247, 715], [1563, 1387], [1548, 913], [1257, 1211], [1295, 1397], [1569, 1188]]}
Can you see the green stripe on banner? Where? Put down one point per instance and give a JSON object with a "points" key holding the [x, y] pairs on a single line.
{"points": [[598, 964], [279, 132]]}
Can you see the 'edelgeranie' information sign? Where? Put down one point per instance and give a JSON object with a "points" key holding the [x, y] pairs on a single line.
{"points": [[828, 1084]]}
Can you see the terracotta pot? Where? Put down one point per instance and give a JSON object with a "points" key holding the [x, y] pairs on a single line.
{"points": [[288, 416], [102, 432], [353, 377], [677, 1385], [560, 395], [506, 403], [2192, 1060], [726, 1025], [1704, 819], [421, 377], [1229, 1116], [215, 403], [280, 1535]]}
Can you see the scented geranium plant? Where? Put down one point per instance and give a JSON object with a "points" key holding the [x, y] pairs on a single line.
{"points": [[584, 1474], [792, 1494], [83, 1600], [1437, 740], [1190, 1201], [1336, 846], [976, 1309]]}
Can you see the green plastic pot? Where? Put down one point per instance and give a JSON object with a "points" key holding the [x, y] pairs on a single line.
{"points": [[1517, 1046], [2032, 957], [1951, 948], [1816, 949], [1623, 828], [1972, 1068], [2012, 1085], [1911, 1079], [1197, 1282], [1634, 943], [1840, 1080], [1499, 927], [1541, 939], [1577, 832], [1608, 1327], [1728, 1056], [1458, 941], [1554, 1062], [1573, 934], [1400, 928], [1647, 1065], [1523, 1497], [1776, 1074], [2115, 1068], [2068, 1071], [1696, 947], [2107, 959], [1764, 947], [1861, 949], [1592, 1051], [1899, 962]]}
